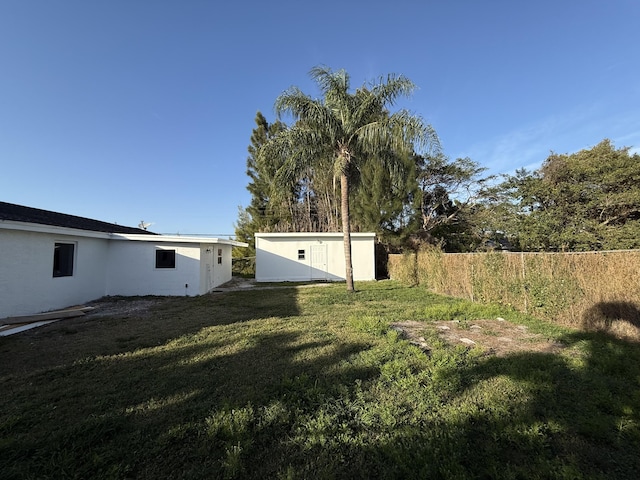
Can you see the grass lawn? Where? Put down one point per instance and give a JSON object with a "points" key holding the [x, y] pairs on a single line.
{"points": [[312, 383]]}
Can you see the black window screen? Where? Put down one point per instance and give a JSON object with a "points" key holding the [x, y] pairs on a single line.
{"points": [[63, 259], [165, 259]]}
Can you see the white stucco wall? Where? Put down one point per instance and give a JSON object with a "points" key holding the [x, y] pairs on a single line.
{"points": [[104, 264], [277, 256], [132, 269], [212, 273], [27, 284]]}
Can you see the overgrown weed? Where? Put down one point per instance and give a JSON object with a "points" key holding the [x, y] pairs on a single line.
{"points": [[595, 291]]}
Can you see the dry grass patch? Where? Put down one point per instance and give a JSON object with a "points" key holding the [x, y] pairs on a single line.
{"points": [[493, 337], [594, 291]]}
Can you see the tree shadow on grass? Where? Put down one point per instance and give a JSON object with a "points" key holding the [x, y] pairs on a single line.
{"points": [[571, 416], [526, 415], [203, 396], [188, 409], [73, 340], [618, 317]]}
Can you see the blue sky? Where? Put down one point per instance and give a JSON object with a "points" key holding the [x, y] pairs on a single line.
{"points": [[129, 110]]}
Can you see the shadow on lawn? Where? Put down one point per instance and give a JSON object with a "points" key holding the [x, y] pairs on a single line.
{"points": [[176, 411], [72, 340], [526, 415], [570, 418], [612, 316], [288, 402]]}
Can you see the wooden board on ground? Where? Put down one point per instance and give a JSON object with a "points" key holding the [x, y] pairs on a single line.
{"points": [[6, 330], [39, 317]]}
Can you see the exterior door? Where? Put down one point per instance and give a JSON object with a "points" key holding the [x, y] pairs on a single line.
{"points": [[318, 262]]}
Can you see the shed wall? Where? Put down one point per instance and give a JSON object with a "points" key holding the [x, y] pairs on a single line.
{"points": [[277, 258]]}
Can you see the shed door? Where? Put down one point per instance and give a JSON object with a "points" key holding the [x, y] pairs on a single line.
{"points": [[208, 265], [318, 262]]}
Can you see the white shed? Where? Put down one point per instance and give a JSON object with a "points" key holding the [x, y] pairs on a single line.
{"points": [[52, 260], [312, 256]]}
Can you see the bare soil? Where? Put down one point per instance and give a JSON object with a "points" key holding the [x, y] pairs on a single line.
{"points": [[123, 306], [494, 336], [141, 306]]}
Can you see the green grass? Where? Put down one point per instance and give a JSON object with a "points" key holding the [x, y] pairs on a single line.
{"points": [[311, 383]]}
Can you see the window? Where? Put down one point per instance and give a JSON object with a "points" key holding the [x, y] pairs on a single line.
{"points": [[63, 259], [219, 256], [300, 254], [165, 259]]}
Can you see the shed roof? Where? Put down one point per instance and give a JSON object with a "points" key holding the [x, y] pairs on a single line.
{"points": [[20, 213], [313, 235]]}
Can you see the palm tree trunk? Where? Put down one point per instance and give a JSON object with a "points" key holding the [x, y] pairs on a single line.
{"points": [[346, 230]]}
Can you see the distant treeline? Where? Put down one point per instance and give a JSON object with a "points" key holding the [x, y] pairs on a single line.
{"points": [[588, 200]]}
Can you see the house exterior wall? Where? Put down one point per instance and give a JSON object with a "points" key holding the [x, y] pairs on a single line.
{"points": [[103, 264], [132, 269], [309, 256], [27, 284], [212, 273], [223, 272]]}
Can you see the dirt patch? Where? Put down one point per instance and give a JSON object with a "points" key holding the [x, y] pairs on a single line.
{"points": [[123, 307], [495, 337], [237, 283]]}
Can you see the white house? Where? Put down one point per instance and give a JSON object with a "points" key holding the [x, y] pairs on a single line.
{"points": [[312, 256], [52, 260]]}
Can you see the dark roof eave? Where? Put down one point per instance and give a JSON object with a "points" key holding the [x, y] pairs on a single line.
{"points": [[20, 213]]}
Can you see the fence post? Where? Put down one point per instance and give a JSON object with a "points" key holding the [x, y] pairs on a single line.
{"points": [[472, 278], [524, 283]]}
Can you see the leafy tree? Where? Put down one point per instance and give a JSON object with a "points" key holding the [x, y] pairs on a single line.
{"points": [[439, 180], [446, 197], [589, 200], [348, 129]]}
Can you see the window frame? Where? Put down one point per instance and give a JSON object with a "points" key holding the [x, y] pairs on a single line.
{"points": [[62, 255], [302, 254], [167, 263]]}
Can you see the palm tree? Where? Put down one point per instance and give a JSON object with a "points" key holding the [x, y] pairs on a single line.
{"points": [[348, 129]]}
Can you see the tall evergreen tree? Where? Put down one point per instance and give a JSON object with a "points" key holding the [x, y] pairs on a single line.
{"points": [[381, 202], [260, 214]]}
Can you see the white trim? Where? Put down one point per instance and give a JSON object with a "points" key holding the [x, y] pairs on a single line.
{"points": [[40, 228], [74, 265], [21, 328], [313, 235], [176, 239]]}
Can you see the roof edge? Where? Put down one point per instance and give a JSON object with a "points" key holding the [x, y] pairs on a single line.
{"points": [[21, 213], [52, 229], [177, 239], [74, 232], [312, 234]]}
